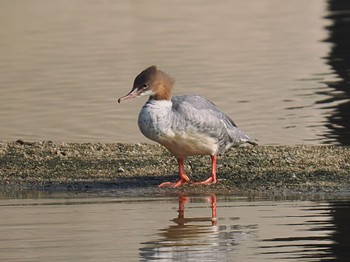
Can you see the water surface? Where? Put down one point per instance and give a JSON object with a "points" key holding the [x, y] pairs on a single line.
{"points": [[278, 68], [173, 228]]}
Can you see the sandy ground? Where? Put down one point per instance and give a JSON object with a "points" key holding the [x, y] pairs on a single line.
{"points": [[58, 166]]}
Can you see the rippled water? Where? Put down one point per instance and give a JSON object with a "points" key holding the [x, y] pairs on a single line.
{"points": [[279, 68], [179, 228]]}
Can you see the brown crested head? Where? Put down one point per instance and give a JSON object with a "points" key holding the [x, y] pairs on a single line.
{"points": [[152, 82]]}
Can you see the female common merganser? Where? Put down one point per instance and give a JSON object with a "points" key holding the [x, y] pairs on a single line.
{"points": [[186, 125]]}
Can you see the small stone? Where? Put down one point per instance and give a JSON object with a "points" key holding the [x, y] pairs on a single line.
{"points": [[20, 141], [120, 170]]}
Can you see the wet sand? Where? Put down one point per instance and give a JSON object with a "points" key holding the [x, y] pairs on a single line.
{"points": [[59, 166]]}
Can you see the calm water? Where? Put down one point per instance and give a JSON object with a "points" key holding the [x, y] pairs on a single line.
{"points": [[178, 228], [279, 68]]}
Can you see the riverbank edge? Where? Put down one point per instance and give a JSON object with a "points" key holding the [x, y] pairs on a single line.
{"points": [[60, 166]]}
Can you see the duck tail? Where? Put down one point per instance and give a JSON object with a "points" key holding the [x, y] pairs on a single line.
{"points": [[253, 142], [238, 135]]}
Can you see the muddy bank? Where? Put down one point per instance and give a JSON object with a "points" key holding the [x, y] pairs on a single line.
{"points": [[73, 166]]}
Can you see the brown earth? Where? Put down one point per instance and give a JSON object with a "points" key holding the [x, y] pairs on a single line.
{"points": [[72, 166]]}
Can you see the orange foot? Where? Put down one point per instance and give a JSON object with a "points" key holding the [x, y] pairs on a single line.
{"points": [[174, 184], [209, 181], [183, 177]]}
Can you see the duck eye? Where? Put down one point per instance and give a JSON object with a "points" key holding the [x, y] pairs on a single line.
{"points": [[144, 86]]}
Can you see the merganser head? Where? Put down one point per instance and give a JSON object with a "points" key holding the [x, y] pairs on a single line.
{"points": [[152, 82]]}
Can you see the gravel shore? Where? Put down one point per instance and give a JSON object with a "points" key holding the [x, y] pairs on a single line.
{"points": [[72, 166]]}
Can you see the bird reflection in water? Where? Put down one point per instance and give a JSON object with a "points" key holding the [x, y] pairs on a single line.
{"points": [[198, 230], [192, 238], [181, 220]]}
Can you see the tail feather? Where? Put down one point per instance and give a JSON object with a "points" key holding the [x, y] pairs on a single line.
{"points": [[239, 137], [252, 143]]}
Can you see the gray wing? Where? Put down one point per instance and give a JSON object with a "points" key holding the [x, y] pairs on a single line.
{"points": [[198, 111], [203, 104]]}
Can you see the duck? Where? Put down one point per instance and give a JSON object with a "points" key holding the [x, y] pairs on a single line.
{"points": [[185, 125]]}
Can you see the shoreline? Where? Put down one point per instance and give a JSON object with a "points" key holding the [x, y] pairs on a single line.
{"points": [[62, 167]]}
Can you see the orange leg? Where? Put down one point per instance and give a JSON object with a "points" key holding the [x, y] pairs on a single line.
{"points": [[182, 201], [183, 177], [214, 220], [212, 178]]}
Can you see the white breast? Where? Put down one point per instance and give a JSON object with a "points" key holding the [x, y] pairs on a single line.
{"points": [[154, 119], [159, 123]]}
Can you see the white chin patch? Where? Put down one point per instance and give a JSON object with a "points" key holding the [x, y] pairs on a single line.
{"points": [[147, 93]]}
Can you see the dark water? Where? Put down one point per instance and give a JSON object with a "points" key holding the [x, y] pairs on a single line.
{"points": [[339, 59], [280, 69], [178, 228]]}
